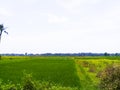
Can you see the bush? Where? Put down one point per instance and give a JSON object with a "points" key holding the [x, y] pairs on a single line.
{"points": [[92, 68], [28, 83], [85, 64], [110, 78], [9, 86]]}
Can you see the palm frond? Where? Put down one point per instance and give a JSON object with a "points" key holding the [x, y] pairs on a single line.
{"points": [[6, 32]]}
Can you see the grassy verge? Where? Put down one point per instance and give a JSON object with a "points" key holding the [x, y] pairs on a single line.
{"points": [[88, 69]]}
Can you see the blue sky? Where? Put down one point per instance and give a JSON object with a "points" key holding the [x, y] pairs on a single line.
{"points": [[60, 26]]}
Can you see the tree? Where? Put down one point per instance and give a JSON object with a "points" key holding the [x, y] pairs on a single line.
{"points": [[2, 29], [106, 54]]}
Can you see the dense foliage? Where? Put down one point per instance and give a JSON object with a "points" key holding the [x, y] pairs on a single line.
{"points": [[110, 78]]}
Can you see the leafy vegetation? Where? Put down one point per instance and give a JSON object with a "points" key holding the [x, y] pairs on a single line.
{"points": [[30, 84], [110, 78], [89, 70]]}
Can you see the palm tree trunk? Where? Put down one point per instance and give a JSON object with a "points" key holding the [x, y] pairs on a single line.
{"points": [[0, 43], [0, 39]]}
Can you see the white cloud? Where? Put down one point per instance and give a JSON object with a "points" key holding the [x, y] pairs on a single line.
{"points": [[73, 4], [69, 3], [30, 1], [56, 19], [5, 12]]}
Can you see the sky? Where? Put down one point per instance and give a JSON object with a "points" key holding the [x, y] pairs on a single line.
{"points": [[60, 26]]}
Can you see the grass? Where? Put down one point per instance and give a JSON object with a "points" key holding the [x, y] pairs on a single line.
{"points": [[79, 72], [60, 70], [88, 69]]}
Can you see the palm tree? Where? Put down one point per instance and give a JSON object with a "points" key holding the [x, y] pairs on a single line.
{"points": [[2, 29]]}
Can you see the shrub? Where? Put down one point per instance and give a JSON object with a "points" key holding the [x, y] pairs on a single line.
{"points": [[110, 78], [9, 86], [85, 64], [28, 83], [92, 68]]}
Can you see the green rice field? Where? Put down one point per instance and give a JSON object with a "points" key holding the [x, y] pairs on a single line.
{"points": [[80, 72]]}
